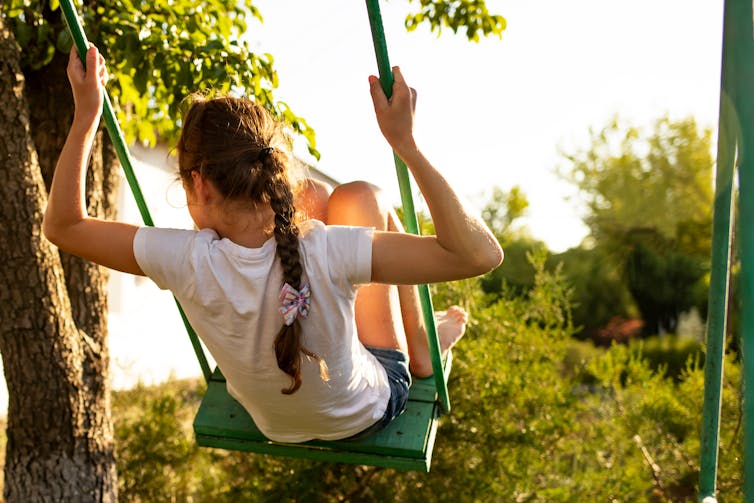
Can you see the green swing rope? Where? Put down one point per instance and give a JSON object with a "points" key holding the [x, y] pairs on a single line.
{"points": [[409, 213], [116, 135]]}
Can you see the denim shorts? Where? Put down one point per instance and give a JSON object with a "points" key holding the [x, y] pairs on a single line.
{"points": [[395, 363]]}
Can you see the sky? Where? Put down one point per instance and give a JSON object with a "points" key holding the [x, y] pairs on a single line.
{"points": [[498, 112], [490, 114]]}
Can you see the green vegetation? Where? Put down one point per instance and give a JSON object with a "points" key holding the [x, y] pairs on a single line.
{"points": [[537, 416], [648, 195]]}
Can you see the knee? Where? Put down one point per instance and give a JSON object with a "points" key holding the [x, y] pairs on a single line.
{"points": [[421, 370], [357, 191], [312, 198], [358, 203]]}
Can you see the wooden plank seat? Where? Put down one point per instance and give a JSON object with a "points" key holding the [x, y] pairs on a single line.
{"points": [[406, 444]]}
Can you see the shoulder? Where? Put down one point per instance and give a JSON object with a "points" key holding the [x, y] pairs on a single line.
{"points": [[158, 244], [168, 233], [345, 252], [314, 231]]}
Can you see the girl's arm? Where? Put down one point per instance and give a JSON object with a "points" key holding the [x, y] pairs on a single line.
{"points": [[463, 246], [66, 222]]}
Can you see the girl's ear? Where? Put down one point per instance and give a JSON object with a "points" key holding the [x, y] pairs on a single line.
{"points": [[201, 188]]}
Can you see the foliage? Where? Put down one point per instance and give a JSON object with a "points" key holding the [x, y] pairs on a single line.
{"points": [[515, 276], [663, 419], [670, 355], [149, 419], [598, 290], [664, 285], [500, 213], [158, 52], [536, 417], [502, 210], [472, 15], [649, 209], [657, 181]]}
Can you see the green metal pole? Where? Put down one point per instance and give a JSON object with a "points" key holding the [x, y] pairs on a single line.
{"points": [[719, 276], [116, 135], [409, 212], [742, 26]]}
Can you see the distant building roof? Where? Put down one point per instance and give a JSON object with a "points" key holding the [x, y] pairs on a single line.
{"points": [[159, 157]]}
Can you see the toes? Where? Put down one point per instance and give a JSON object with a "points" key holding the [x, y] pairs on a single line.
{"points": [[458, 313], [454, 314]]}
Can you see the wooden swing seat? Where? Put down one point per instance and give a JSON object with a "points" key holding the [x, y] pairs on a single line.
{"points": [[406, 444]]}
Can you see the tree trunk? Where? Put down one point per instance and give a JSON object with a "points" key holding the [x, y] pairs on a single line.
{"points": [[60, 445]]}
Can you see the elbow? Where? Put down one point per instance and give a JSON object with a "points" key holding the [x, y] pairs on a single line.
{"points": [[497, 256], [49, 231], [479, 260], [489, 259], [52, 230]]}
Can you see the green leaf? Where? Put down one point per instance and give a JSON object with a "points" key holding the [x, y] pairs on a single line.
{"points": [[64, 42], [23, 34]]}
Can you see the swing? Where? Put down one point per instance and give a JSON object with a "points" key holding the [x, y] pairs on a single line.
{"points": [[221, 422]]}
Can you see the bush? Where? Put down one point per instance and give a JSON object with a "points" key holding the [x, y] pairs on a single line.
{"points": [[536, 417], [670, 355]]}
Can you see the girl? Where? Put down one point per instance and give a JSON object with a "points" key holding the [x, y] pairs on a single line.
{"points": [[276, 300]]}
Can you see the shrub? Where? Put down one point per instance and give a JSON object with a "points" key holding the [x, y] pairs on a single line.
{"points": [[536, 417]]}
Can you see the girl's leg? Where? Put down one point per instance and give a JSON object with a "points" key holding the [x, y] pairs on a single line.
{"points": [[389, 316], [450, 325], [378, 311], [311, 199]]}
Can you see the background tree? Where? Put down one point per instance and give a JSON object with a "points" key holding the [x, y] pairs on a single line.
{"points": [[502, 210], [54, 353], [515, 275], [648, 198], [598, 291], [55, 350]]}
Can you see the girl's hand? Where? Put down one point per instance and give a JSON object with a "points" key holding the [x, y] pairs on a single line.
{"points": [[87, 84], [395, 116]]}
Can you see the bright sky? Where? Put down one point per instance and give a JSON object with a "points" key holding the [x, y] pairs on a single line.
{"points": [[495, 113]]}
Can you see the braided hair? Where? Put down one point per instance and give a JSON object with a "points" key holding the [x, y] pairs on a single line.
{"points": [[238, 146]]}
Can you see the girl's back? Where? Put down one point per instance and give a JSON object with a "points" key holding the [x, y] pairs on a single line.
{"points": [[230, 294]]}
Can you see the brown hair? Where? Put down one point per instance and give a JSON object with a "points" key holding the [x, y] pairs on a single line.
{"points": [[222, 138]]}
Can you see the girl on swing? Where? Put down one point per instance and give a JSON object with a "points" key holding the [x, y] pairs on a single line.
{"points": [[315, 323]]}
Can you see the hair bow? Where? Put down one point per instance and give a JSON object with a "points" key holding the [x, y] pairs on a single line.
{"points": [[295, 302]]}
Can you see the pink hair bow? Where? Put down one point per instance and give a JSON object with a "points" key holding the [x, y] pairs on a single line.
{"points": [[295, 302]]}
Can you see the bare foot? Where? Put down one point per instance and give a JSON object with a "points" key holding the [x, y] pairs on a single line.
{"points": [[451, 325]]}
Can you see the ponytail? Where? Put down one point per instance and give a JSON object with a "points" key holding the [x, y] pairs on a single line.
{"points": [[288, 347]]}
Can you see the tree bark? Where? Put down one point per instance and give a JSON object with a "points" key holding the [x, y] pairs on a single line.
{"points": [[60, 445]]}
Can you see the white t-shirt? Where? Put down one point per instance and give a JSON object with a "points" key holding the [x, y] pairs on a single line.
{"points": [[230, 296]]}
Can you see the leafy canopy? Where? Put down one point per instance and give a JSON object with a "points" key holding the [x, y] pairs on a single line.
{"points": [[472, 15], [656, 182], [503, 209], [649, 208]]}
